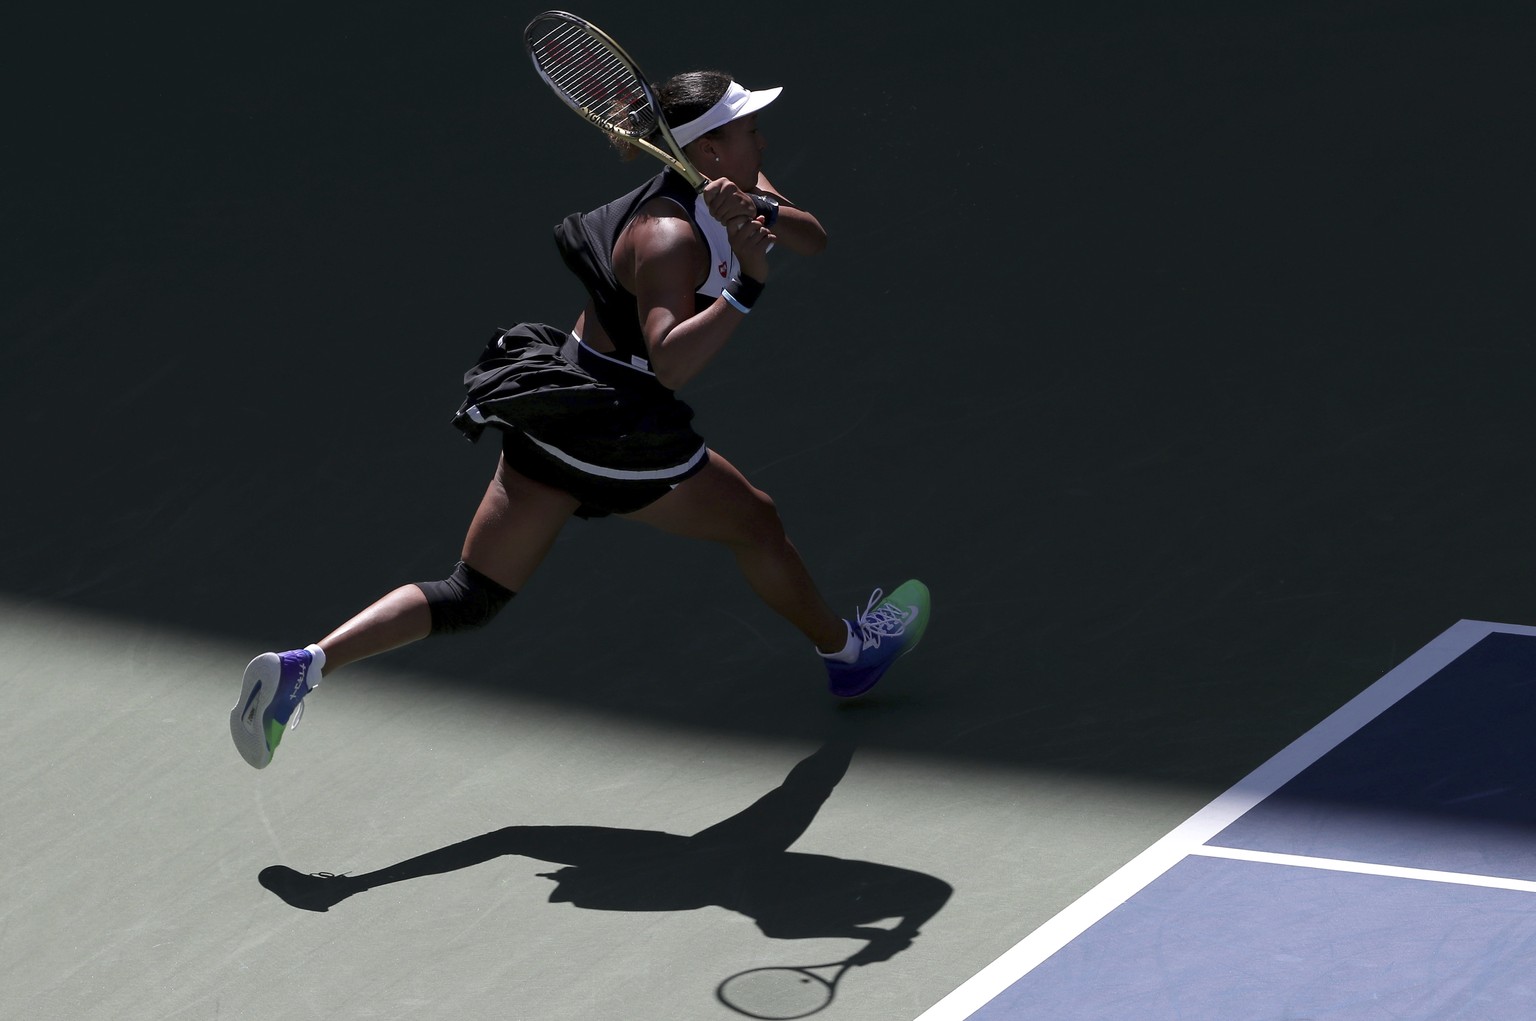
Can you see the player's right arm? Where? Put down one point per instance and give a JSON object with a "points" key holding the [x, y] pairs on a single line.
{"points": [[665, 260]]}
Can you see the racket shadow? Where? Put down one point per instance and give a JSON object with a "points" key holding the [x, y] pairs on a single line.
{"points": [[782, 993], [742, 863]]}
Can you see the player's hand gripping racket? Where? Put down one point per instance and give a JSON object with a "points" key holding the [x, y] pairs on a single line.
{"points": [[596, 78], [779, 994]]}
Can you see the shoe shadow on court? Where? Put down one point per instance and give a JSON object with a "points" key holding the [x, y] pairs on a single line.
{"points": [[742, 863]]}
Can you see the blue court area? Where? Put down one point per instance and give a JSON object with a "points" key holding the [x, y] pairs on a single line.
{"points": [[1381, 867]]}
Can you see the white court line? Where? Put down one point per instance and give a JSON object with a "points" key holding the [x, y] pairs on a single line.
{"points": [[1365, 868], [1192, 834]]}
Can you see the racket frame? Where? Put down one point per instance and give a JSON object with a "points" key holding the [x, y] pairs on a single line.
{"points": [[672, 155], [808, 970]]}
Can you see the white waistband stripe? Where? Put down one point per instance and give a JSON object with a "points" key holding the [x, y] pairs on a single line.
{"points": [[586, 467], [620, 474]]}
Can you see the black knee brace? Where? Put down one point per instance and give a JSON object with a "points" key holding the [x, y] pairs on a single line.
{"points": [[463, 601]]}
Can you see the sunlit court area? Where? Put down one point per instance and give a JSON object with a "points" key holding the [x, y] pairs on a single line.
{"points": [[1183, 352]]}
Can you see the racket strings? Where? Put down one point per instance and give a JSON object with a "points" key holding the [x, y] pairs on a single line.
{"points": [[594, 80], [609, 93]]}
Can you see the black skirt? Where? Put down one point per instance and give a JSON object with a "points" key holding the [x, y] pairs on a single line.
{"points": [[606, 433]]}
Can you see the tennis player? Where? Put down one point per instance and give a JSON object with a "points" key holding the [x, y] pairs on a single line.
{"points": [[590, 425]]}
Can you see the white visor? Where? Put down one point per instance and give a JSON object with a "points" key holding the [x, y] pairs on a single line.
{"points": [[736, 103]]}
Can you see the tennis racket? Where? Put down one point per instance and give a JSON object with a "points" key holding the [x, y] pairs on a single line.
{"points": [[783, 993], [594, 76]]}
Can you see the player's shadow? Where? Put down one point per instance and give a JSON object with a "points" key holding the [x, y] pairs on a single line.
{"points": [[742, 863]]}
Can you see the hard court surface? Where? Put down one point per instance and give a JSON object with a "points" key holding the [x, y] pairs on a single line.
{"points": [[1183, 350]]}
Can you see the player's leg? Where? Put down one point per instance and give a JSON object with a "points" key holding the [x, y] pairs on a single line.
{"points": [[511, 533], [720, 505], [513, 529]]}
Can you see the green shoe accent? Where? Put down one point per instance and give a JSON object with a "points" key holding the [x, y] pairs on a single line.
{"points": [[908, 594], [274, 734]]}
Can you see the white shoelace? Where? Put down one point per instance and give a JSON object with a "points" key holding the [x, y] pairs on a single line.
{"points": [[885, 620]]}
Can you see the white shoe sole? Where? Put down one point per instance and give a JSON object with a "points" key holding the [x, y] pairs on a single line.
{"points": [[245, 719]]}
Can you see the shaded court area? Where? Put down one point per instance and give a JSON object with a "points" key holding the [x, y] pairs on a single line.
{"points": [[1183, 353]]}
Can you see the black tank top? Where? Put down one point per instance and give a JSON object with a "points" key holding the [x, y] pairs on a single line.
{"points": [[586, 242]]}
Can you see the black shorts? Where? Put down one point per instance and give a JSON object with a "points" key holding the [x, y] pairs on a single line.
{"points": [[571, 418]]}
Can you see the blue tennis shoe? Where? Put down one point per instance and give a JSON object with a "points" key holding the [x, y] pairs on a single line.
{"points": [[271, 701], [887, 629]]}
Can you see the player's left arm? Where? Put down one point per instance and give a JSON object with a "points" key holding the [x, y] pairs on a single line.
{"points": [[796, 229]]}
